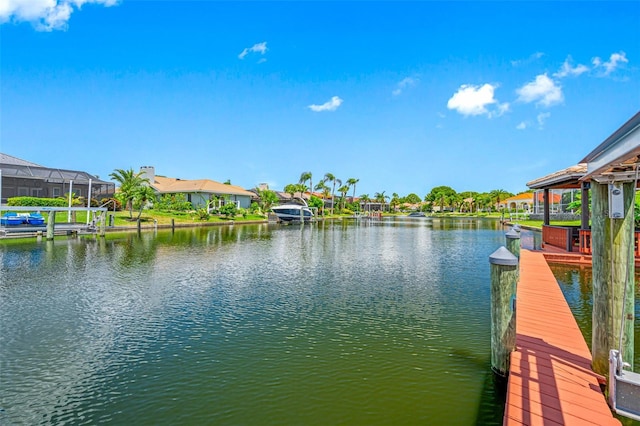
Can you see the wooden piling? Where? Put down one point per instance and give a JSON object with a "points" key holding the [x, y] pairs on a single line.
{"points": [[51, 220], [613, 277], [103, 223], [504, 274], [513, 242]]}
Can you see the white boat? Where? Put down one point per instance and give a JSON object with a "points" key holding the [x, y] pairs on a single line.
{"points": [[293, 211]]}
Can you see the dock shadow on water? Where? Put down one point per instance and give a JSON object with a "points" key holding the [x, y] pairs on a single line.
{"points": [[327, 323]]}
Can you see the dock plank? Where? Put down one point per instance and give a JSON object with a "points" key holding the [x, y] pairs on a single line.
{"points": [[550, 380]]}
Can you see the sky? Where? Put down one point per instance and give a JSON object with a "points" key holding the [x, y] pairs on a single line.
{"points": [[403, 96]]}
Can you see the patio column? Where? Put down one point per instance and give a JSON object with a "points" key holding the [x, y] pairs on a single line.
{"points": [[613, 276], [584, 208], [546, 207]]}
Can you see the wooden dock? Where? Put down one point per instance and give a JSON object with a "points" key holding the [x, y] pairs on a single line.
{"points": [[550, 381]]}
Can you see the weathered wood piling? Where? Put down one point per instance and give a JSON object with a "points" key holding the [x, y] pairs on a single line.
{"points": [[504, 275]]}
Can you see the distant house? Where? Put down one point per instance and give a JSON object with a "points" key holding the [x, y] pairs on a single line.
{"points": [[199, 191], [520, 202], [24, 178]]}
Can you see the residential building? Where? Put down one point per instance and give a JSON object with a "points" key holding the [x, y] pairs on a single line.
{"points": [[23, 178], [199, 191]]}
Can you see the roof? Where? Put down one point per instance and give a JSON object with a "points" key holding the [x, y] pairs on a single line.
{"points": [[15, 161], [173, 185], [565, 178], [620, 152], [22, 169], [525, 196]]}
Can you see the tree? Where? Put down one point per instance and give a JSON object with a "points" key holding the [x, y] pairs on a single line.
{"points": [[291, 189], [441, 195], [498, 195], [412, 199], [304, 177], [343, 190], [143, 195], [379, 197], [364, 198], [352, 183], [129, 182], [328, 177], [395, 201], [324, 190], [267, 198]]}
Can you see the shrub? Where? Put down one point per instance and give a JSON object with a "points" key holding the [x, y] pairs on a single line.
{"points": [[201, 214], [229, 210], [37, 202], [112, 202]]}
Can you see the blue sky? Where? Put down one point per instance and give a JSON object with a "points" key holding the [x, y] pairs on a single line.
{"points": [[403, 96]]}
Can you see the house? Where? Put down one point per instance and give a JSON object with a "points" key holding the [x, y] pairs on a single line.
{"points": [[199, 191], [23, 178], [520, 202]]}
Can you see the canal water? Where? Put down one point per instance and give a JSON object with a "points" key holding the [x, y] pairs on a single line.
{"points": [[345, 322]]}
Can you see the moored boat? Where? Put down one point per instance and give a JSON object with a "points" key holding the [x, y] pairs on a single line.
{"points": [[293, 211], [11, 219]]}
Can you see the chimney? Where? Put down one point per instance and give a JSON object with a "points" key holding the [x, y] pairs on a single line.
{"points": [[148, 172]]}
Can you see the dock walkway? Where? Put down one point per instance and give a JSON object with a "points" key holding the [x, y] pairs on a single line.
{"points": [[550, 381]]}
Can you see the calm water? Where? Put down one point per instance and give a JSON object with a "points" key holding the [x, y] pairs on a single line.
{"points": [[333, 323]]}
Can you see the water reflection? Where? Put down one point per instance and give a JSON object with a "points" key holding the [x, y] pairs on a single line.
{"points": [[337, 322]]}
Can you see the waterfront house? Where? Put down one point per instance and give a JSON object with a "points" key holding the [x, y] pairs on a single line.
{"points": [[22, 178], [198, 191]]}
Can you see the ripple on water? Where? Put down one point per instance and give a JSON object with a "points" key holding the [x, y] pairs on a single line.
{"points": [[280, 325]]}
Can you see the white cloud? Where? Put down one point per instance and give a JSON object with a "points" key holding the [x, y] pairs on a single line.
{"points": [[568, 70], [523, 125], [542, 118], [406, 82], [44, 15], [533, 57], [473, 100], [330, 105], [542, 90], [257, 48], [615, 60]]}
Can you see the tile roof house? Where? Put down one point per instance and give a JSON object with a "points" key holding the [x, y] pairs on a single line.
{"points": [[199, 191], [24, 178]]}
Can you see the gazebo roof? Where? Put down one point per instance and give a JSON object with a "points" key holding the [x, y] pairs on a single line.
{"points": [[617, 156], [565, 178]]}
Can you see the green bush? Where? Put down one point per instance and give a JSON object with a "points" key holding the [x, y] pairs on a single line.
{"points": [[173, 202], [201, 214], [37, 202], [229, 210]]}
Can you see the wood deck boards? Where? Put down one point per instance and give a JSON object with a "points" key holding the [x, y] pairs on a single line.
{"points": [[550, 380]]}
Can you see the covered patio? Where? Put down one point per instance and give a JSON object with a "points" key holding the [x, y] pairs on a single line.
{"points": [[578, 238]]}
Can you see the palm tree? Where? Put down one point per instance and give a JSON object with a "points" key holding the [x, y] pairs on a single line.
{"points": [[380, 198], [352, 183], [324, 191], [395, 200], [304, 177], [498, 195], [130, 182], [143, 194], [343, 190], [365, 200], [328, 177], [291, 189]]}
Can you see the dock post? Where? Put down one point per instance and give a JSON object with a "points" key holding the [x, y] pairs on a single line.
{"points": [[504, 274], [51, 220], [613, 273], [173, 224], [103, 223], [513, 242]]}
